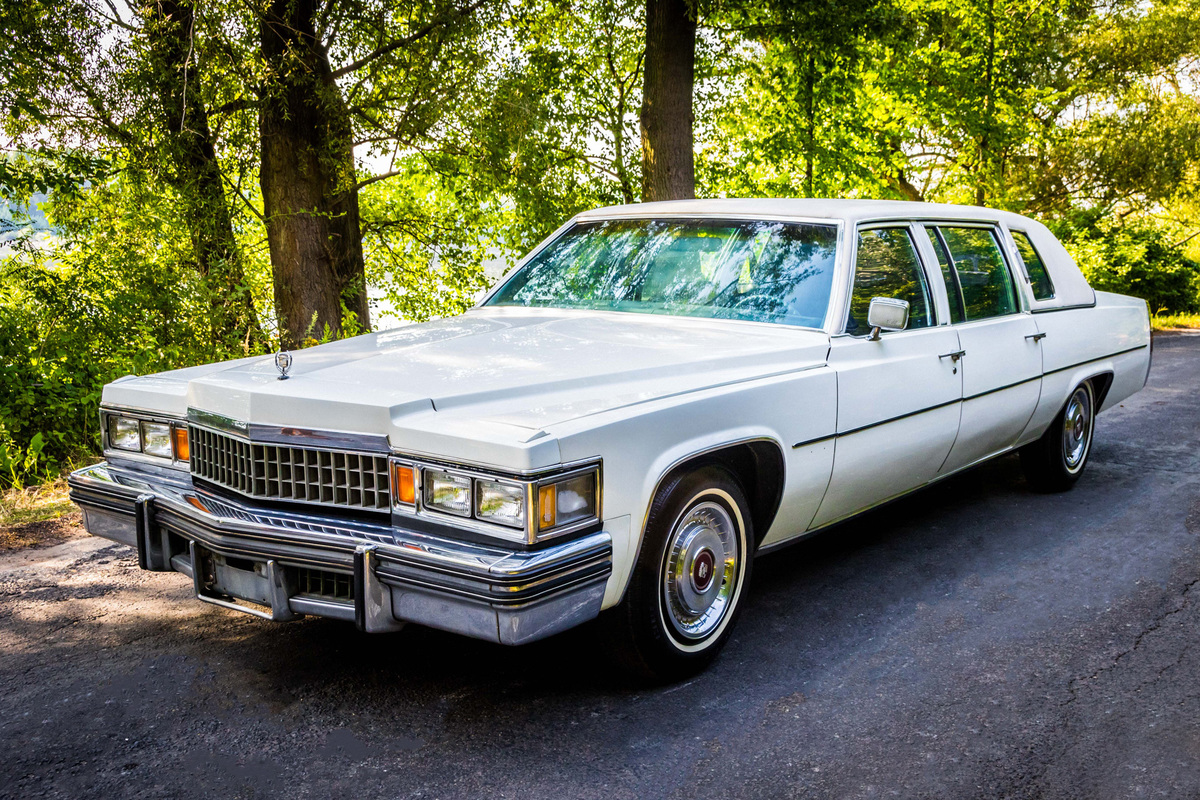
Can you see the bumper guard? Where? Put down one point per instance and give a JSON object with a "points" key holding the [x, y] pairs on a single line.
{"points": [[265, 562]]}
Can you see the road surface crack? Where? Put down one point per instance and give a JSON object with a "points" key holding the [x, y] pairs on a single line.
{"points": [[1137, 641]]}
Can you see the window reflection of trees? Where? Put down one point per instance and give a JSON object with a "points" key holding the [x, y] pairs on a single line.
{"points": [[762, 271], [886, 266], [1043, 287], [986, 284]]}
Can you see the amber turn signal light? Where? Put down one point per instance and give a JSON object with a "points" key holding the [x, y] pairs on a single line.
{"points": [[404, 484], [179, 437], [547, 506]]}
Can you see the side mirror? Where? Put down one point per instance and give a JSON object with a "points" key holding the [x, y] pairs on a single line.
{"points": [[886, 314]]}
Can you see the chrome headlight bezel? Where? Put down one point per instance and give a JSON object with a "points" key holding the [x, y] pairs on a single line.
{"points": [[492, 497], [157, 439], [526, 530], [455, 490], [112, 417], [119, 428]]}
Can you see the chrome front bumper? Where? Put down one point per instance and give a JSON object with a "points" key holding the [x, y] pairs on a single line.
{"points": [[261, 561]]}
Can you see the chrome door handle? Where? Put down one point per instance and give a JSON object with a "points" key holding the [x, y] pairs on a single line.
{"points": [[955, 356], [1037, 337]]}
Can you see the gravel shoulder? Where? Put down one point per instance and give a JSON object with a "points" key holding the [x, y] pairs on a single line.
{"points": [[974, 640]]}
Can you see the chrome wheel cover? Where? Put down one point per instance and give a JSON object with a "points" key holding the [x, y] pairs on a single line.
{"points": [[701, 570], [1077, 428]]}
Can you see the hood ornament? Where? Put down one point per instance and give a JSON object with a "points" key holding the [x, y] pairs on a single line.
{"points": [[283, 362]]}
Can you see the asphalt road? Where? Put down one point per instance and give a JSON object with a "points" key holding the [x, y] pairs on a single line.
{"points": [[975, 640]]}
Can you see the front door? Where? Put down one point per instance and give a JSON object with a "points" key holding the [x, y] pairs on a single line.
{"points": [[898, 397]]}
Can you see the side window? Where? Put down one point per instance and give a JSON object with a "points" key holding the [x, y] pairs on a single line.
{"points": [[987, 285], [953, 290], [1039, 277], [887, 265]]}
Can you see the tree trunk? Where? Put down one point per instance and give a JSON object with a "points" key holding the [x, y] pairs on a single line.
{"points": [[811, 117], [194, 172], [308, 181], [985, 154], [668, 167], [906, 189]]}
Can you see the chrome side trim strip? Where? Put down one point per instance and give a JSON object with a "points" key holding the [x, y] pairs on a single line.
{"points": [[1012, 385], [895, 498], [897, 418], [965, 399], [818, 440], [1098, 358], [1062, 308]]}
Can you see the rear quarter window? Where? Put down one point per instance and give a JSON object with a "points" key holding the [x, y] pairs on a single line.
{"points": [[1039, 276]]}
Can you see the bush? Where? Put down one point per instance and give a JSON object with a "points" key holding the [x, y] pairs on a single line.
{"points": [[112, 294], [1138, 259]]}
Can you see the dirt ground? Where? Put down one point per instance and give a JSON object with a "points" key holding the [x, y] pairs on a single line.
{"points": [[41, 533]]}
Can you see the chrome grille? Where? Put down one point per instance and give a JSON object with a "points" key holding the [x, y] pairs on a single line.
{"points": [[300, 474]]}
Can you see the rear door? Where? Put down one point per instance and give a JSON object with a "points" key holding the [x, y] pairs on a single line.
{"points": [[898, 397], [1002, 358]]}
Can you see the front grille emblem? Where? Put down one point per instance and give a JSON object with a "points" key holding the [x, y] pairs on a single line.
{"points": [[283, 362]]}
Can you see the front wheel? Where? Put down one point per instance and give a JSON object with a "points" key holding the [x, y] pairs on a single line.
{"points": [[1054, 462], [691, 574]]}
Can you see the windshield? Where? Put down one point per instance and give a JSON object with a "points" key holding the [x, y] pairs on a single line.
{"points": [[732, 269]]}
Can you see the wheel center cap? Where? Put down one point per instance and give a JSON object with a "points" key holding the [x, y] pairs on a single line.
{"points": [[703, 566]]}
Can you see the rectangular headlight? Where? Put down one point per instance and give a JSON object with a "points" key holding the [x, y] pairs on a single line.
{"points": [[500, 502], [156, 439], [567, 501], [124, 434], [447, 492]]}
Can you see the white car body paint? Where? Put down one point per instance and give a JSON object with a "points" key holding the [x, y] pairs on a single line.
{"points": [[856, 422]]}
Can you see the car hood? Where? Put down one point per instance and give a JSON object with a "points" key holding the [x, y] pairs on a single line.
{"points": [[511, 373]]}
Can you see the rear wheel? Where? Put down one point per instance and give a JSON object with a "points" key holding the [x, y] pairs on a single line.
{"points": [[1054, 462], [691, 574]]}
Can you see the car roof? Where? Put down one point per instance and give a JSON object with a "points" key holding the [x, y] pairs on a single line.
{"points": [[812, 208]]}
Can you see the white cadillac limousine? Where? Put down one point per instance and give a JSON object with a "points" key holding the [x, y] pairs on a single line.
{"points": [[656, 396]]}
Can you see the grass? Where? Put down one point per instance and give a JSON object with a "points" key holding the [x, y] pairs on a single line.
{"points": [[1166, 322], [40, 503]]}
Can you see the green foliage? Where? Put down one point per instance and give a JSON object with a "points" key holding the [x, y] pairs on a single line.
{"points": [[548, 126], [23, 175], [1161, 322], [480, 127], [20, 464], [801, 109], [424, 248], [1137, 259], [113, 294]]}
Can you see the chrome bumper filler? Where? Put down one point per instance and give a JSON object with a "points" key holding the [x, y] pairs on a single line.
{"points": [[245, 558]]}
